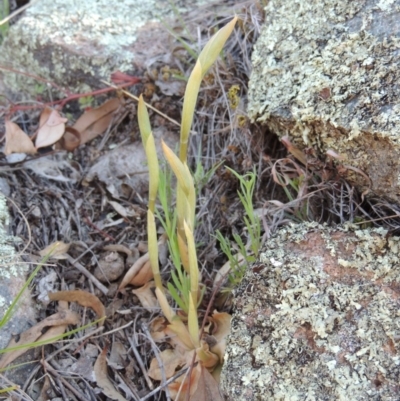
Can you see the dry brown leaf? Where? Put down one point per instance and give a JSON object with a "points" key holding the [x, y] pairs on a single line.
{"points": [[45, 391], [52, 127], [180, 387], [94, 122], [31, 335], [133, 270], [56, 250], [118, 356], [223, 272], [296, 152], [17, 141], [157, 328], [207, 358], [70, 140], [118, 248], [146, 295], [130, 278], [203, 386], [83, 298], [207, 388], [55, 331], [171, 359], [144, 275], [102, 380]]}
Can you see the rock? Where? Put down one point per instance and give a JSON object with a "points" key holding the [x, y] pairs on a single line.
{"points": [[77, 44], [318, 318], [127, 165], [110, 268], [12, 278], [327, 74]]}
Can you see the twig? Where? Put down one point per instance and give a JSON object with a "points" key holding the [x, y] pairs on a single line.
{"points": [[53, 354], [159, 360], [379, 219], [61, 386], [140, 361], [160, 387], [88, 222], [18, 390], [27, 225], [126, 93], [89, 275], [47, 367], [16, 12]]}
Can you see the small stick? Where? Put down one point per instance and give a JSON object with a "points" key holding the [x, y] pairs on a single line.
{"points": [[47, 366], [140, 361], [57, 351], [88, 222], [161, 386], [89, 275], [60, 385], [159, 360]]}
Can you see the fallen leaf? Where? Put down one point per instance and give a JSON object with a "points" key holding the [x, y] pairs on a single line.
{"points": [[133, 270], [56, 250], [28, 337], [16, 140], [207, 388], [52, 127], [118, 248], [129, 277], [144, 275], [157, 327], [83, 298], [45, 391], [56, 331], [95, 121], [180, 387], [102, 380], [118, 356], [121, 210], [171, 359], [146, 295], [70, 140], [296, 152]]}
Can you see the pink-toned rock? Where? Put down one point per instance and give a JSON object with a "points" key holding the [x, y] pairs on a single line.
{"points": [[318, 318], [78, 44]]}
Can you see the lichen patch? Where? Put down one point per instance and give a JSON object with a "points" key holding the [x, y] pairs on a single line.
{"points": [[327, 74], [322, 326]]}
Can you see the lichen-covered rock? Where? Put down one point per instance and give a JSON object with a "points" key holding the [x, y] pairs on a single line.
{"points": [[75, 44], [12, 278], [318, 318], [327, 73]]}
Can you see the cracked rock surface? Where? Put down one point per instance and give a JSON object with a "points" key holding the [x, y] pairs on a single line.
{"points": [[327, 74]]}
